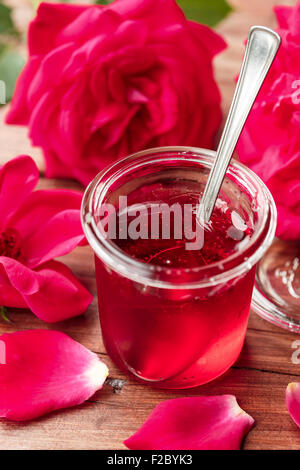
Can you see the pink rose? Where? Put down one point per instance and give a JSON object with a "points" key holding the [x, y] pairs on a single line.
{"points": [[105, 81], [270, 142], [35, 227]]}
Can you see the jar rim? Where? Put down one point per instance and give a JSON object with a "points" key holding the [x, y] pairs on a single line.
{"points": [[141, 272]]}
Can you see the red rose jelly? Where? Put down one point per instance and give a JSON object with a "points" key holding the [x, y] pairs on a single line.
{"points": [[174, 303]]}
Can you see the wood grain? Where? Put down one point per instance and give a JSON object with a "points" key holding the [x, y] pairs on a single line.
{"points": [[258, 379]]}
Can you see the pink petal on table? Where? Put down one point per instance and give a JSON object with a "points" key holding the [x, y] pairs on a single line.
{"points": [[51, 291], [42, 371], [292, 396], [194, 423], [61, 296]]}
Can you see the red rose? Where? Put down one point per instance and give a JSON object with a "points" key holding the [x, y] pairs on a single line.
{"points": [[270, 142], [105, 81]]}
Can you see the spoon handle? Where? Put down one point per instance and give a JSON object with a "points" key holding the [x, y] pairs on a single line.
{"points": [[261, 49]]}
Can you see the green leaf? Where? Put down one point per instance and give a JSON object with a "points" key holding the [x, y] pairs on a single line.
{"points": [[209, 12], [36, 3], [3, 314], [11, 64], [6, 22]]}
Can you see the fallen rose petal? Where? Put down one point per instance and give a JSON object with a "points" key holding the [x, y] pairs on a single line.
{"points": [[51, 291], [292, 397], [194, 423], [45, 371], [61, 295]]}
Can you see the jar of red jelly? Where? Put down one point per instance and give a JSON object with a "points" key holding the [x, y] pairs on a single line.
{"points": [[172, 317]]}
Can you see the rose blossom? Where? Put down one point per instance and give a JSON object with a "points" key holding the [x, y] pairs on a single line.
{"points": [[35, 227], [105, 81], [270, 142]]}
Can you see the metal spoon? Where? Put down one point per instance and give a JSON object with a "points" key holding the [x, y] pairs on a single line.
{"points": [[261, 49]]}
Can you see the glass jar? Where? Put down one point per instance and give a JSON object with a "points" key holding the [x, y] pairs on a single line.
{"points": [[176, 327]]}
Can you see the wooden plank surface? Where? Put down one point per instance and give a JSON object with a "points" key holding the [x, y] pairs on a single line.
{"points": [[258, 379]]}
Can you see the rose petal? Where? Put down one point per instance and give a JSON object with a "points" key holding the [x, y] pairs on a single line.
{"points": [[289, 228], [61, 295], [195, 423], [58, 237], [288, 17], [83, 174], [98, 19], [212, 41], [49, 22], [168, 12], [45, 371], [283, 15], [292, 397], [51, 291], [49, 72], [42, 206], [9, 296], [19, 112], [18, 178]]}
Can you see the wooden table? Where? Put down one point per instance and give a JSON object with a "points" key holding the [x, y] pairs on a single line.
{"points": [[258, 379]]}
